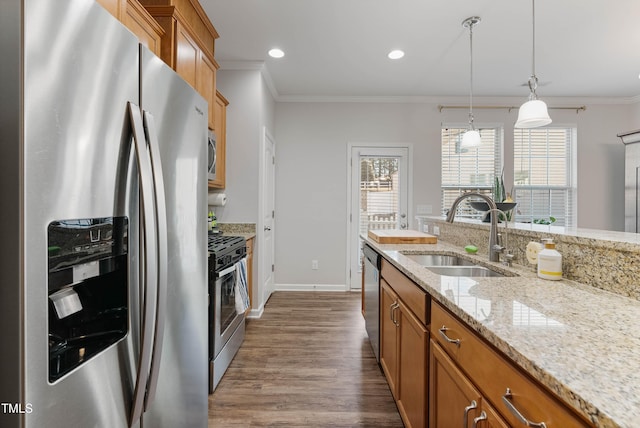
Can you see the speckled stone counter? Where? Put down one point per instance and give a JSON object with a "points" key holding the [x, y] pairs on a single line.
{"points": [[581, 342], [247, 230], [608, 260]]}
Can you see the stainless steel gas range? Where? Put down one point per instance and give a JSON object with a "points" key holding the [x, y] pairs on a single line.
{"points": [[226, 324]]}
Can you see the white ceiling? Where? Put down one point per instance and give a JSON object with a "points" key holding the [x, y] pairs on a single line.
{"points": [[338, 48]]}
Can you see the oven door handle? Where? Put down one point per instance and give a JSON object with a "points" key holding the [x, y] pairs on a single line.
{"points": [[226, 271]]}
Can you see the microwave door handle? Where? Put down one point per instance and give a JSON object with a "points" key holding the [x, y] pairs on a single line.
{"points": [[163, 255], [149, 260]]}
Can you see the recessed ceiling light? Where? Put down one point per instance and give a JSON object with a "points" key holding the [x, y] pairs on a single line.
{"points": [[396, 54], [276, 53]]}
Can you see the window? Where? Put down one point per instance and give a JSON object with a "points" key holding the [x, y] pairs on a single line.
{"points": [[465, 170], [544, 175]]}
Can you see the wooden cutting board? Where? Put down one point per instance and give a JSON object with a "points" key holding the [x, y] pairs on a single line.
{"points": [[398, 236]]}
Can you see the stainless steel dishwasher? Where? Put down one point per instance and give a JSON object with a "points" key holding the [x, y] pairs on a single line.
{"points": [[372, 297]]}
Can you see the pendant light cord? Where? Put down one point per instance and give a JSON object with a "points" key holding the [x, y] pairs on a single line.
{"points": [[533, 80], [471, 74]]}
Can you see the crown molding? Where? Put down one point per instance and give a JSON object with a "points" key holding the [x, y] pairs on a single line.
{"points": [[253, 66], [414, 99]]}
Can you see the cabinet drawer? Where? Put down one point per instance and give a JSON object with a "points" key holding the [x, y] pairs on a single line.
{"points": [[493, 374], [414, 297]]}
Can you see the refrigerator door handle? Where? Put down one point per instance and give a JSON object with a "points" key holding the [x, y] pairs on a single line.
{"points": [[163, 256], [149, 268]]}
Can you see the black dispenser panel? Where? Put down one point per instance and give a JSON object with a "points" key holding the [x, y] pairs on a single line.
{"points": [[87, 289]]}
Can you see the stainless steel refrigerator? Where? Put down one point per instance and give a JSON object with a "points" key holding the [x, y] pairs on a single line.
{"points": [[103, 183]]}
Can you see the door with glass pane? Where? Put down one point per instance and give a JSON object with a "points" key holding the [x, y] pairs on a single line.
{"points": [[379, 197]]}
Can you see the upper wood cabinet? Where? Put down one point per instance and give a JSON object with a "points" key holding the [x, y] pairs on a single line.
{"points": [[142, 24], [135, 17], [220, 129], [188, 44]]}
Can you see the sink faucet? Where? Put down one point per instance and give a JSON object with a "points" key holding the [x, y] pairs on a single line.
{"points": [[502, 245], [494, 252]]}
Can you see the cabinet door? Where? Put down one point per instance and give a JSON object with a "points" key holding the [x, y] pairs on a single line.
{"points": [[453, 400], [389, 335], [489, 418], [206, 85], [250, 271], [187, 55], [142, 24], [114, 7], [413, 368], [220, 114]]}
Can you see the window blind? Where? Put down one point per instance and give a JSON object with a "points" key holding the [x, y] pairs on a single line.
{"points": [[544, 175], [466, 170]]}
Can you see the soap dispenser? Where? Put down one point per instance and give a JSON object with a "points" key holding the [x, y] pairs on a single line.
{"points": [[549, 262]]}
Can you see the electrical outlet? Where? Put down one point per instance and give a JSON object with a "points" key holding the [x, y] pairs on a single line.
{"points": [[436, 230], [314, 264]]}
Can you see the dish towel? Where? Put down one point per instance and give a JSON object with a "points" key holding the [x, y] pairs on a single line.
{"points": [[241, 287]]}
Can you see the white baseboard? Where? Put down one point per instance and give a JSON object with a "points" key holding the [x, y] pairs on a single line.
{"points": [[311, 287], [255, 313]]}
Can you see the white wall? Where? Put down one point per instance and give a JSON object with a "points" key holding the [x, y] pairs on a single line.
{"points": [[311, 175], [251, 108]]}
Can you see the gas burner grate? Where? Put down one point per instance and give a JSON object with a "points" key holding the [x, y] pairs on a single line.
{"points": [[220, 244]]}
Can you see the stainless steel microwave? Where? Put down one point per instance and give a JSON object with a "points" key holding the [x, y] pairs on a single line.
{"points": [[211, 166]]}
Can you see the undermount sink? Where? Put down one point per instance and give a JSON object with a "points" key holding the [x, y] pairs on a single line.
{"points": [[439, 260], [449, 265], [471, 271]]}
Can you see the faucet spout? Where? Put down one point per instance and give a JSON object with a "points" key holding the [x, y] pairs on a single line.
{"points": [[494, 255]]}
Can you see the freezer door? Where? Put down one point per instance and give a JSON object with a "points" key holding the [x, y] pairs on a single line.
{"points": [[80, 71], [180, 117]]}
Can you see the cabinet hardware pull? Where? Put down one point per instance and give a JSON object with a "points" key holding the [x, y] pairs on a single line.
{"points": [[473, 405], [396, 305], [443, 332], [507, 401], [482, 417]]}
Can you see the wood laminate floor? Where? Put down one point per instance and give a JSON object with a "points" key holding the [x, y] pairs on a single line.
{"points": [[306, 363]]}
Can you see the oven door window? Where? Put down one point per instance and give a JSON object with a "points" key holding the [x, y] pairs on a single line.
{"points": [[227, 301]]}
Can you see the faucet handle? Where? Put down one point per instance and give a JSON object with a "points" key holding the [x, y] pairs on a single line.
{"points": [[508, 258]]}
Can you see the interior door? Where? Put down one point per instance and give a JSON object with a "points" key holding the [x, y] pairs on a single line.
{"points": [[268, 217], [379, 197]]}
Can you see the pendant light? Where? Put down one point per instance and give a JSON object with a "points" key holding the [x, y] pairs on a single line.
{"points": [[471, 138], [533, 113]]}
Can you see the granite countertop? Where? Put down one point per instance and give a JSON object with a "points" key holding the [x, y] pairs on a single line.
{"points": [[245, 235], [581, 342]]}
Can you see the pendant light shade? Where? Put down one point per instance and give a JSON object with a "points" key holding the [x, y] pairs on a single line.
{"points": [[533, 113], [471, 138]]}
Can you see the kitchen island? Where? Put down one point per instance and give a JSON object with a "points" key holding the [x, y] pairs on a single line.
{"points": [[579, 342]]}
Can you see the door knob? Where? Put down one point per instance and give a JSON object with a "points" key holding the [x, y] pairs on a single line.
{"points": [[267, 228]]}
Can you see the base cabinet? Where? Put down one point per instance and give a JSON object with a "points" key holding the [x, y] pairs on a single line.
{"points": [[513, 394], [443, 374], [453, 400], [413, 344], [249, 246], [404, 342]]}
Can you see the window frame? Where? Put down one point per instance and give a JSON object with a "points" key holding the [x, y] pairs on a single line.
{"points": [[569, 217], [465, 211]]}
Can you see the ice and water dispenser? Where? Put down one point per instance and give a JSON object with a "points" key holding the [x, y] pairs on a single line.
{"points": [[87, 289]]}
